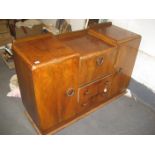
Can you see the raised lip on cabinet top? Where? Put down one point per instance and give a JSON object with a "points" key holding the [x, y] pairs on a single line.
{"points": [[112, 33], [84, 43]]}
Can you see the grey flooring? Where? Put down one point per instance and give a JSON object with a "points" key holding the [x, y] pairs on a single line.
{"points": [[126, 115]]}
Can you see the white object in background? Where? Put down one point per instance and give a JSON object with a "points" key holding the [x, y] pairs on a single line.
{"points": [[2, 47], [14, 87], [28, 23], [51, 28]]}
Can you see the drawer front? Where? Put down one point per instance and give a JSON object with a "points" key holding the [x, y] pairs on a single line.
{"points": [[96, 66], [94, 93]]}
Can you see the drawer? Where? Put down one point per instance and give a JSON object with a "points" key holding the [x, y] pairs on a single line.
{"points": [[94, 93], [97, 65]]}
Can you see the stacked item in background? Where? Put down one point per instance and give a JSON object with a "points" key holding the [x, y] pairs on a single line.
{"points": [[25, 28], [61, 26], [5, 36], [7, 55], [6, 43]]}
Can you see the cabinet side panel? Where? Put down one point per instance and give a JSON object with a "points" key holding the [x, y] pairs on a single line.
{"points": [[126, 58], [25, 80]]}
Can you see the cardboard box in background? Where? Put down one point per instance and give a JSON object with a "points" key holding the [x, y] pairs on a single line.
{"points": [[27, 32], [5, 36]]}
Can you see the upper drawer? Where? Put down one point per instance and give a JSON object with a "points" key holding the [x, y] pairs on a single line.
{"points": [[97, 65]]}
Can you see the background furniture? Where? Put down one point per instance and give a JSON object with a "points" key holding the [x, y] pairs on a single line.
{"points": [[5, 36]]}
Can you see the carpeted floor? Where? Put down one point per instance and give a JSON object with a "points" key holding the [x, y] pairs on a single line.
{"points": [[126, 115]]}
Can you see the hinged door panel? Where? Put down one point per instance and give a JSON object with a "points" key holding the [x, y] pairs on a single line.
{"points": [[127, 53], [55, 86]]}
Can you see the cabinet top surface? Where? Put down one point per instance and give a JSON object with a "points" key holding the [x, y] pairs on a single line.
{"points": [[42, 49], [84, 43], [114, 32]]}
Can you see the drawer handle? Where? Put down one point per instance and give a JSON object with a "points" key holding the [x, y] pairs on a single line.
{"points": [[120, 70], [105, 90], [99, 61], [86, 92], [84, 104], [70, 92]]}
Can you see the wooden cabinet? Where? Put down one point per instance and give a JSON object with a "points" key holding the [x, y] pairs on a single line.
{"points": [[62, 78]]}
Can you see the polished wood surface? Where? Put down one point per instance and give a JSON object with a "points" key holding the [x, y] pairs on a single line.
{"points": [[124, 65], [39, 49], [63, 77], [96, 57], [98, 65], [114, 33], [83, 43], [95, 92], [25, 79], [52, 84]]}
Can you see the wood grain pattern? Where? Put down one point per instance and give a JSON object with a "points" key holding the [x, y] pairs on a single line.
{"points": [[92, 51], [114, 33], [127, 53], [90, 70], [51, 83], [95, 92], [25, 80], [64, 77]]}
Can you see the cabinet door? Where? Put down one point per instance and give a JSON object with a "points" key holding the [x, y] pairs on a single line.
{"points": [[127, 53], [97, 65], [55, 87]]}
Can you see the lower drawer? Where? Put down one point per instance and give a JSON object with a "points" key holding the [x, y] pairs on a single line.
{"points": [[94, 93]]}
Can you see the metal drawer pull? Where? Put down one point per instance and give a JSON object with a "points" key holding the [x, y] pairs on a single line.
{"points": [[86, 92], [120, 70], [99, 61], [105, 90], [70, 92], [36, 62], [84, 104]]}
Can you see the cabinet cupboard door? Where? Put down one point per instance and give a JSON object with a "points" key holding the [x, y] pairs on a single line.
{"points": [[97, 65], [55, 87], [127, 53]]}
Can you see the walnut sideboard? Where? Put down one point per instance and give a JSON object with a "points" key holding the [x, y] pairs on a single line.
{"points": [[63, 78]]}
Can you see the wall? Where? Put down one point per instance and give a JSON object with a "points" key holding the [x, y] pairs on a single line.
{"points": [[145, 27]]}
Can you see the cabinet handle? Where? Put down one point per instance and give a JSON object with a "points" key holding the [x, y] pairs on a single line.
{"points": [[105, 90], [84, 104], [120, 70], [99, 61], [70, 92], [86, 92]]}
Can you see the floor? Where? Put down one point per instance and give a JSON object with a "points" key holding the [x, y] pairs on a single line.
{"points": [[126, 115]]}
